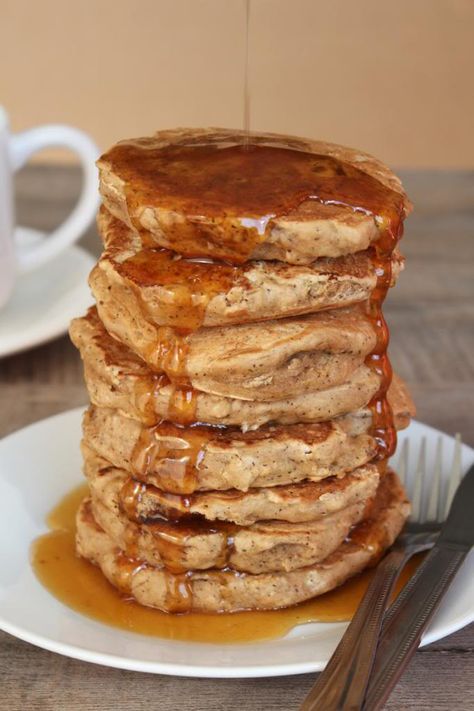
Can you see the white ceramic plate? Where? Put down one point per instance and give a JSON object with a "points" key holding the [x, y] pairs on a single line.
{"points": [[44, 301], [41, 463]]}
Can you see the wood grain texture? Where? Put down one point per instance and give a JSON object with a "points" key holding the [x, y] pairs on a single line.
{"points": [[431, 316]]}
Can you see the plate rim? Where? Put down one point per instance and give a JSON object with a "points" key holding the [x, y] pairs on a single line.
{"points": [[60, 326], [185, 669]]}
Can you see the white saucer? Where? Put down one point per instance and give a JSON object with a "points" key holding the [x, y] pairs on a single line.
{"points": [[44, 301], [41, 463]]}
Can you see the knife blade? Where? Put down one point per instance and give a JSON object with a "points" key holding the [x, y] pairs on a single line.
{"points": [[408, 617]]}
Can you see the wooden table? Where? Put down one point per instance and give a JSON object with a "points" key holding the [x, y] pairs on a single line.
{"points": [[431, 314]]}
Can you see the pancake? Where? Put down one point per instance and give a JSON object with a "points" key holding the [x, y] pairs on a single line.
{"points": [[117, 378], [294, 503], [261, 548], [400, 402], [182, 460], [193, 543], [230, 591], [258, 361], [173, 205], [155, 287]]}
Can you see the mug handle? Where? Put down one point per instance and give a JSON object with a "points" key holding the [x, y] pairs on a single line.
{"points": [[22, 145]]}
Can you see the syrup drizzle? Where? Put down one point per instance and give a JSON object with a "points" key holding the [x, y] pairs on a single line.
{"points": [[188, 286], [182, 401], [182, 398], [383, 427], [178, 597], [172, 539], [228, 195], [171, 455], [127, 568]]}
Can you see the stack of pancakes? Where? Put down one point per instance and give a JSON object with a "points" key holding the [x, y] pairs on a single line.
{"points": [[242, 403]]}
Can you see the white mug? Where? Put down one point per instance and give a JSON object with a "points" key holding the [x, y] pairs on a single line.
{"points": [[15, 149]]}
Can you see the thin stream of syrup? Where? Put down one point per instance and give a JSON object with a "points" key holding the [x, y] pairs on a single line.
{"points": [[246, 77]]}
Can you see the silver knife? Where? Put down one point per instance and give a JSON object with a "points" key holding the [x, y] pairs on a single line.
{"points": [[411, 612]]}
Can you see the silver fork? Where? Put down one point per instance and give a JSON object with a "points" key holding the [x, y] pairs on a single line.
{"points": [[343, 683]]}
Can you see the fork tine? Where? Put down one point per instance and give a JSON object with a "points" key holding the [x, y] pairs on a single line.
{"points": [[433, 510], [416, 499], [402, 464], [454, 474]]}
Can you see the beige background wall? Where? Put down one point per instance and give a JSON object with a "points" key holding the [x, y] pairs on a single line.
{"points": [[394, 77]]}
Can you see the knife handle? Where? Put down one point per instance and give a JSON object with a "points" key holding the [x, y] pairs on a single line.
{"points": [[343, 682], [407, 619]]}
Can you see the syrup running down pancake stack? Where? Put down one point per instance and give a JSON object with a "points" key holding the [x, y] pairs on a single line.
{"points": [[242, 403]]}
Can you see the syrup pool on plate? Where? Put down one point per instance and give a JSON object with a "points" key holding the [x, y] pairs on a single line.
{"points": [[82, 587]]}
